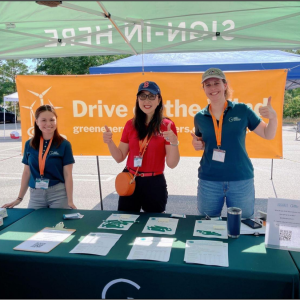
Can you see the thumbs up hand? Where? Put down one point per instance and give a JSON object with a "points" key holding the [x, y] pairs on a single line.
{"points": [[197, 142], [107, 135], [268, 111], [169, 135]]}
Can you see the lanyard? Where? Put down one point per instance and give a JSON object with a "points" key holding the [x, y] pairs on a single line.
{"points": [[143, 145], [42, 158], [218, 129]]}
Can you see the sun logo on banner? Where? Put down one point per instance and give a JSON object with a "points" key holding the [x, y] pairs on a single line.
{"points": [[30, 130]]}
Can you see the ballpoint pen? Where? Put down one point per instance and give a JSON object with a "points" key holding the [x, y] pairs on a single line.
{"points": [[207, 216]]}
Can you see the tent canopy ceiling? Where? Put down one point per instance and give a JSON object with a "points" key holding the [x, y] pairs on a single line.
{"points": [[30, 30], [200, 62]]}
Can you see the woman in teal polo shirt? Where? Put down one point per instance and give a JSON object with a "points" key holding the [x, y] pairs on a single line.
{"points": [[226, 172], [48, 161]]}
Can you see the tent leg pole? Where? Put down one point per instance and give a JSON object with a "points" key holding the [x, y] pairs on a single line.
{"points": [[99, 180], [4, 118], [272, 170], [15, 117]]}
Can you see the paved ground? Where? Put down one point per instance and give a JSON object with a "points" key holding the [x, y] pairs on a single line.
{"points": [[182, 181]]}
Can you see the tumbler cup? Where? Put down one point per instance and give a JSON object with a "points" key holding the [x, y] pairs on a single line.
{"points": [[234, 215]]}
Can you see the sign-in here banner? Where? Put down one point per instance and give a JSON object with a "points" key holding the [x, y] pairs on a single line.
{"points": [[86, 103]]}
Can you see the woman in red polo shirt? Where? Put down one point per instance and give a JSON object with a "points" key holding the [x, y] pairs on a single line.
{"points": [[147, 127]]}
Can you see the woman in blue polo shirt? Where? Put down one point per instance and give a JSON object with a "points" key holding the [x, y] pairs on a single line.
{"points": [[48, 161], [226, 172]]}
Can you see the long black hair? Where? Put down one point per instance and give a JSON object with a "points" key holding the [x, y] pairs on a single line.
{"points": [[35, 141], [139, 120]]}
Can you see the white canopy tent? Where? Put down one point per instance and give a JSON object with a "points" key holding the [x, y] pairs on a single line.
{"points": [[10, 98]]}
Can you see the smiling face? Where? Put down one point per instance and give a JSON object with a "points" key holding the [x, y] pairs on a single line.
{"points": [[46, 123], [148, 106], [214, 89]]}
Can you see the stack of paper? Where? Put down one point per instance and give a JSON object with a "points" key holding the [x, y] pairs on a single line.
{"points": [[161, 226], [211, 229], [151, 248], [97, 243], [206, 253], [118, 221], [3, 213]]}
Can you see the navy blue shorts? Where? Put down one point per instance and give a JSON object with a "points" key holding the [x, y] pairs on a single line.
{"points": [[150, 195]]}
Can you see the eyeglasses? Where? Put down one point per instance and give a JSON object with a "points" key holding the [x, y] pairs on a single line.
{"points": [[145, 96]]}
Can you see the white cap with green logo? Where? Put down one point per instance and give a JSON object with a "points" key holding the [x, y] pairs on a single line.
{"points": [[213, 73]]}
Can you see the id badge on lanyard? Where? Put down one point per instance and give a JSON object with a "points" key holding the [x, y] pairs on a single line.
{"points": [[42, 183], [137, 161], [218, 154]]}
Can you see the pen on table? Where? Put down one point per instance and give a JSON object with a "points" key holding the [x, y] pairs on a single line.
{"points": [[207, 216]]}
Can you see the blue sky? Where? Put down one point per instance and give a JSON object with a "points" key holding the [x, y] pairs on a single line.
{"points": [[31, 64]]}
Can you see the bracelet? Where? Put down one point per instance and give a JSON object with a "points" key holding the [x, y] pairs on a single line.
{"points": [[19, 198], [175, 144]]}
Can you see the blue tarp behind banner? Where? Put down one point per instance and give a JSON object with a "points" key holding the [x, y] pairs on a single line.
{"points": [[199, 62]]}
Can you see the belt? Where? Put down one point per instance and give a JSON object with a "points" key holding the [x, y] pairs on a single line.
{"points": [[145, 174]]}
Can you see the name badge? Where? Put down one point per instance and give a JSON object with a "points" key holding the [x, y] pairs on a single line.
{"points": [[219, 155], [137, 161], [42, 183]]}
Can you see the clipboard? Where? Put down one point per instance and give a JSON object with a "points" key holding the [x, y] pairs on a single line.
{"points": [[46, 239]]}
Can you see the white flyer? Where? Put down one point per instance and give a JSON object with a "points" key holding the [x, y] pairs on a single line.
{"points": [[161, 226], [283, 224], [151, 248], [203, 252], [97, 243], [118, 221], [45, 240], [211, 229]]}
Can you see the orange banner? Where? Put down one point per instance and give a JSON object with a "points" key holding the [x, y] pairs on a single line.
{"points": [[86, 103]]}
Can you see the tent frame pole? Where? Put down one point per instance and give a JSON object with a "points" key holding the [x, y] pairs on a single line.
{"points": [[55, 40], [108, 15], [4, 117], [99, 181], [272, 169]]}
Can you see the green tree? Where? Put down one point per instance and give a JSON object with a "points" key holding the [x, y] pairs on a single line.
{"points": [[8, 71], [73, 65], [291, 107], [293, 51]]}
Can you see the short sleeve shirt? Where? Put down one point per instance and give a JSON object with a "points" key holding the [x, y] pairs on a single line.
{"points": [[56, 159], [237, 165], [154, 157]]}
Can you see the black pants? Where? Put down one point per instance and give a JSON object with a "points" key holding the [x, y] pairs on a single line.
{"points": [[150, 194]]}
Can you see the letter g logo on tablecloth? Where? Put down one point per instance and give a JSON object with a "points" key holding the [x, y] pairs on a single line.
{"points": [[117, 281]]}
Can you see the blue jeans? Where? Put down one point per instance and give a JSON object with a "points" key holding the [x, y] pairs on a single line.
{"points": [[212, 194]]}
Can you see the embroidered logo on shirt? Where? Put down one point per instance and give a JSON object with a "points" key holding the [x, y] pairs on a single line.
{"points": [[53, 153], [234, 119]]}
